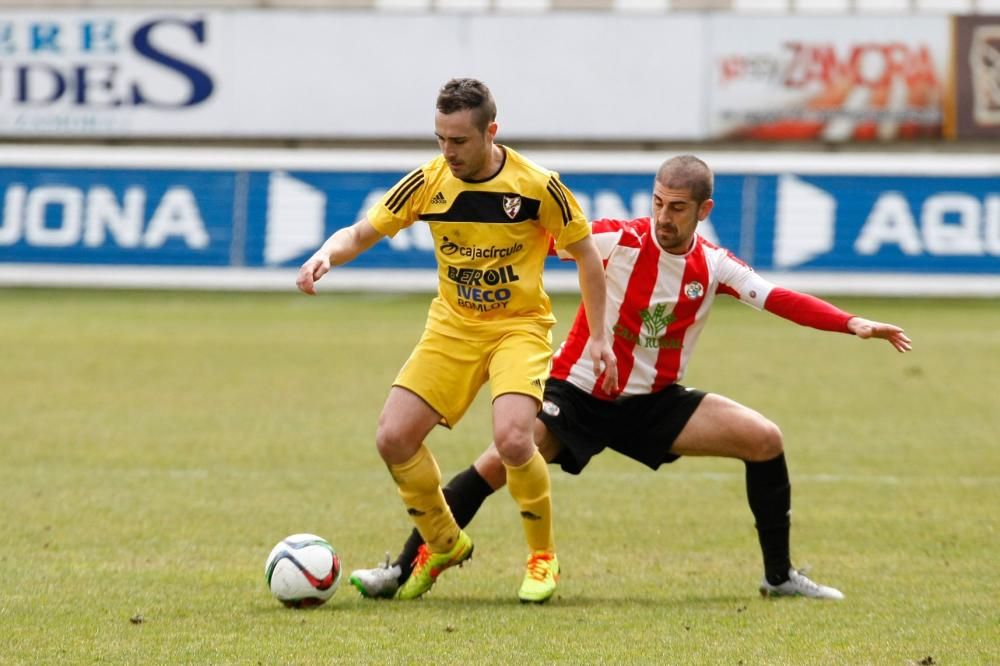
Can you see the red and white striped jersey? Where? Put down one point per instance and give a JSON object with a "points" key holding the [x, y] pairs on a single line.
{"points": [[658, 304]]}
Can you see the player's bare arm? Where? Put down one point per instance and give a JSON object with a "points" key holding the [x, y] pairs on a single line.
{"points": [[592, 291], [865, 328], [341, 247]]}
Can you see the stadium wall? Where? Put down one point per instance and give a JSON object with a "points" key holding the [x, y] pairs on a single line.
{"points": [[879, 224]]}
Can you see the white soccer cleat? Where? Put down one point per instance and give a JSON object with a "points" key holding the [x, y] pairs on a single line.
{"points": [[798, 585], [378, 583]]}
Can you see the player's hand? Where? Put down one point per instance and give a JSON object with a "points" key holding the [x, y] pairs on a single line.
{"points": [[311, 271], [604, 360], [865, 328]]}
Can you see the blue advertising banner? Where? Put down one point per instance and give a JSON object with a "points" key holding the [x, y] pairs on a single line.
{"points": [[117, 216], [858, 223], [788, 222]]}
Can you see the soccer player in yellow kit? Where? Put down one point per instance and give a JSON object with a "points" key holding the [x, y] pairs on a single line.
{"points": [[491, 213]]}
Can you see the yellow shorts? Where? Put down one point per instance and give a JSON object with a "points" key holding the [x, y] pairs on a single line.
{"points": [[448, 372]]}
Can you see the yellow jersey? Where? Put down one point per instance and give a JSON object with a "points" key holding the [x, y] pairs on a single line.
{"points": [[491, 238]]}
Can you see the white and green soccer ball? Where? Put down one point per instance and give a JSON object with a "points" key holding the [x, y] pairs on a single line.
{"points": [[302, 571]]}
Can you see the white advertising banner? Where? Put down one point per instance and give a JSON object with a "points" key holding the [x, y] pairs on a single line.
{"points": [[302, 74], [827, 79]]}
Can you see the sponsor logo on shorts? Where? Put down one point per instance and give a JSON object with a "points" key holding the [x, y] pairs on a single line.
{"points": [[550, 408]]}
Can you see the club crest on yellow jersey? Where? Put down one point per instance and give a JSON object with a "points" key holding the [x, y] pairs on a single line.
{"points": [[512, 205]]}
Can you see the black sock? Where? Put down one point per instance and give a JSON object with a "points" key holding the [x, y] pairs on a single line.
{"points": [[465, 493], [769, 493]]}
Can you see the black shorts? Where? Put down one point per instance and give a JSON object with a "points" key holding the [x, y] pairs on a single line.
{"points": [[641, 427]]}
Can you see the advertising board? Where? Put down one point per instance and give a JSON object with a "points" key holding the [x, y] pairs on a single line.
{"points": [[851, 223], [830, 78], [976, 95], [312, 74]]}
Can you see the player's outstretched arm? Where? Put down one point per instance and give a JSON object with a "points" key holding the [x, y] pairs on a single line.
{"points": [[815, 312], [866, 328], [341, 247], [593, 291]]}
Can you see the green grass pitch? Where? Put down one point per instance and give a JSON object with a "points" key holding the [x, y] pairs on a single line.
{"points": [[155, 445]]}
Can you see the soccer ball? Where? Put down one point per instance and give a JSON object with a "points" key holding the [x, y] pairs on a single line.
{"points": [[302, 571]]}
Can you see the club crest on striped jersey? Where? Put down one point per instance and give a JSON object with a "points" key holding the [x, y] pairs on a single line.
{"points": [[694, 290], [512, 205]]}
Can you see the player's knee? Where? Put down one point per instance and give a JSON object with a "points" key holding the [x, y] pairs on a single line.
{"points": [[392, 443], [768, 442], [515, 445]]}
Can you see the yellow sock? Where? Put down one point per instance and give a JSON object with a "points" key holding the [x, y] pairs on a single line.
{"points": [[419, 483], [531, 488]]}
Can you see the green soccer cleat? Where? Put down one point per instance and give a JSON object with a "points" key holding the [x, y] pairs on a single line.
{"points": [[428, 566], [541, 577]]}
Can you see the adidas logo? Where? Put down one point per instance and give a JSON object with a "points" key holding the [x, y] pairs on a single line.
{"points": [[439, 199]]}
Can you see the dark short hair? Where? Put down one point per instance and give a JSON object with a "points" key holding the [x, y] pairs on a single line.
{"points": [[461, 94], [687, 172]]}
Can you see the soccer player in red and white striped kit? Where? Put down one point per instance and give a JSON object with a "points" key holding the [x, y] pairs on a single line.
{"points": [[662, 278]]}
